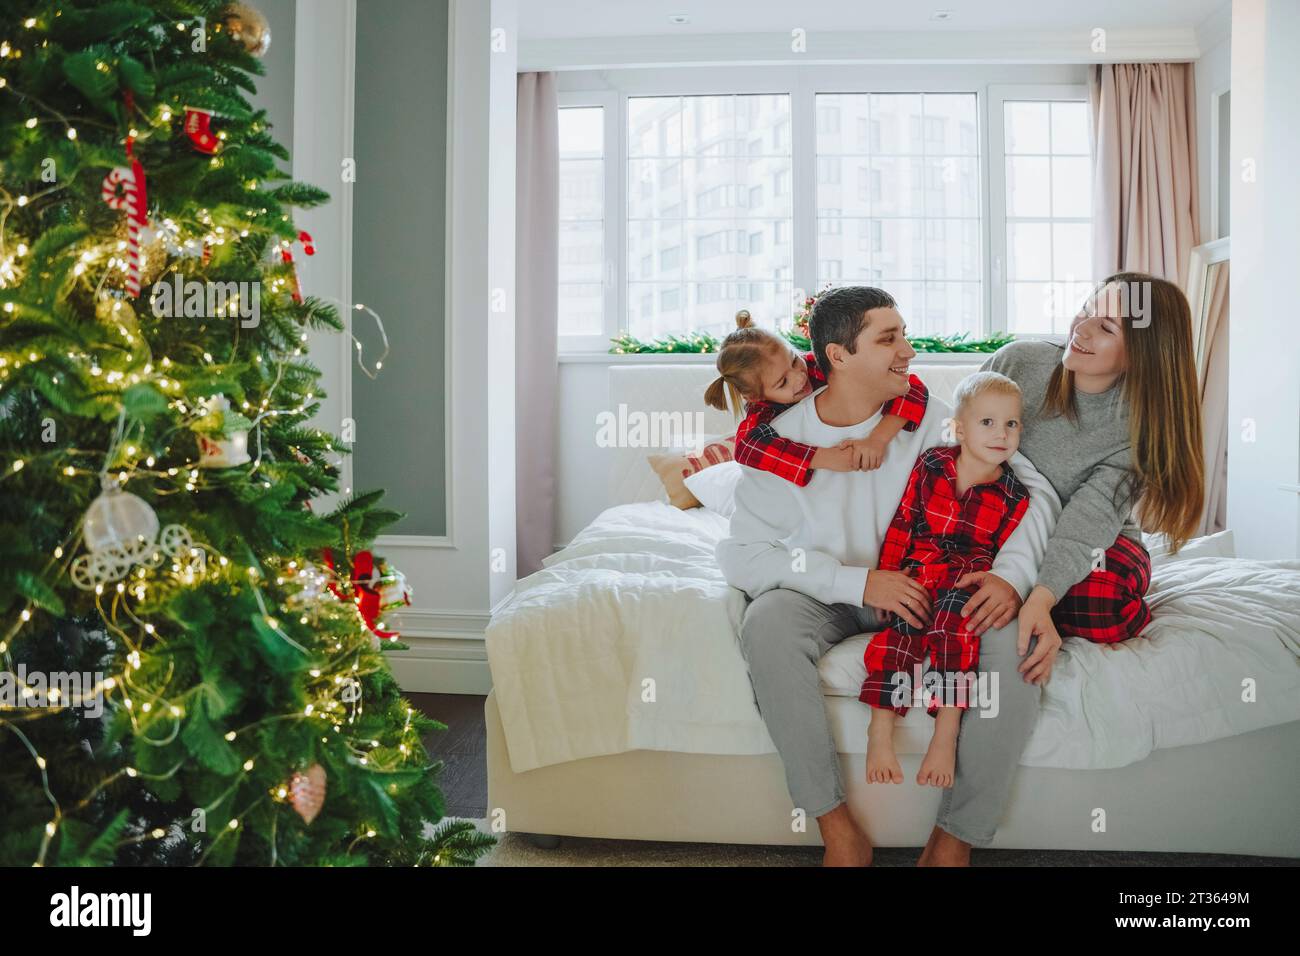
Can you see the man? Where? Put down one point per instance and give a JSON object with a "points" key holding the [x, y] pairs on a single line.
{"points": [[805, 556]]}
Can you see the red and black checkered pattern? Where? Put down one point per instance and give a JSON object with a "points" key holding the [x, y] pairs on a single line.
{"points": [[941, 536], [759, 446], [1108, 605]]}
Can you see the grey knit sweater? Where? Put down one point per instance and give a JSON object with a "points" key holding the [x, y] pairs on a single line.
{"points": [[1087, 461]]}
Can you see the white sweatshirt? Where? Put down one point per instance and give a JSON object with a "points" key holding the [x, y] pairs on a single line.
{"points": [[822, 539]]}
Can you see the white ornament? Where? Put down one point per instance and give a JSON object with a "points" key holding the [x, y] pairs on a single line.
{"points": [[121, 531]]}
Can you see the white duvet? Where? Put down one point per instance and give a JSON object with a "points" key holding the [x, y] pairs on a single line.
{"points": [[627, 640]]}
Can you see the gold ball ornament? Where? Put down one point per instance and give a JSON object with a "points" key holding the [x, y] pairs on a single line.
{"points": [[248, 27]]}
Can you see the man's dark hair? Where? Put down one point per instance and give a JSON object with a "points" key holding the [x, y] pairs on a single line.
{"points": [[840, 315]]}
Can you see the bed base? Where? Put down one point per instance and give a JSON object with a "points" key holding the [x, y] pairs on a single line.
{"points": [[1236, 795]]}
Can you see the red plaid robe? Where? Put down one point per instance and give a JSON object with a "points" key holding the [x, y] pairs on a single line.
{"points": [[942, 536], [759, 446]]}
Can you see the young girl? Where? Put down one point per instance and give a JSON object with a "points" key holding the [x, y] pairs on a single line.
{"points": [[760, 369]]}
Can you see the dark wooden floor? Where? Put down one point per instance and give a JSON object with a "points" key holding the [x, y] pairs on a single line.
{"points": [[462, 747]]}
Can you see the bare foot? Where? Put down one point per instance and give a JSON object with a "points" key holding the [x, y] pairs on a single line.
{"points": [[944, 849], [846, 844], [940, 761], [882, 762]]}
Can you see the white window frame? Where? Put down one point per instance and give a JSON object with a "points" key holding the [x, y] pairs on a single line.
{"points": [[614, 244], [802, 84], [998, 95]]}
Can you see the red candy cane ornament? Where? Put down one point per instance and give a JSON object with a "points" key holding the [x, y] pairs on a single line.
{"points": [[124, 188], [286, 255]]}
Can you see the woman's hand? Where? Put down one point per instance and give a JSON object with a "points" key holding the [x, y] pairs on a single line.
{"points": [[993, 605], [1036, 619]]}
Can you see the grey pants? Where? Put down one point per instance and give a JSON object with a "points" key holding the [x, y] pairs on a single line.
{"points": [[785, 633]]}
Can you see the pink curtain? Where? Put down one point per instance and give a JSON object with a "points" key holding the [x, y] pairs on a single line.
{"points": [[537, 218], [1144, 194]]}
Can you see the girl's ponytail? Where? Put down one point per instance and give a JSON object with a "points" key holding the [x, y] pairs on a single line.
{"points": [[715, 396]]}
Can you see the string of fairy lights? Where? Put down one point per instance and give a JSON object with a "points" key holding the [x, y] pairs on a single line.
{"points": [[121, 606]]}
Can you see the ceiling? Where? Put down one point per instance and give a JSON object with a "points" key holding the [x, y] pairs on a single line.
{"points": [[559, 19]]}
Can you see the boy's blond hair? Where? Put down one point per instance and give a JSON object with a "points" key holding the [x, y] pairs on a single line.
{"points": [[977, 384]]}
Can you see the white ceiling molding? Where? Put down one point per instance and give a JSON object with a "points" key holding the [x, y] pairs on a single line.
{"points": [[1175, 44]]}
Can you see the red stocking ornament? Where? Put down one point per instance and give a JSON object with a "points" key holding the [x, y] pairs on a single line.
{"points": [[198, 127]]}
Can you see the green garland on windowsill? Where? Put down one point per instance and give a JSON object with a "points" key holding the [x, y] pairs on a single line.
{"points": [[703, 342]]}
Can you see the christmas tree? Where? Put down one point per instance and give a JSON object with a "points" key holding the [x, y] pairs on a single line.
{"points": [[191, 668]]}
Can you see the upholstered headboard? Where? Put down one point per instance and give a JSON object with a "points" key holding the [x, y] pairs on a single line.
{"points": [[667, 390]]}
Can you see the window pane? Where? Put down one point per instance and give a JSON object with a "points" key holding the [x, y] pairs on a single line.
{"points": [[582, 189], [654, 250], [951, 124], [898, 197], [1029, 250], [1026, 126], [581, 249], [1070, 128], [710, 207], [1028, 186], [581, 252], [901, 251], [1072, 186], [582, 132], [952, 249], [654, 126], [952, 187], [951, 307], [896, 123], [842, 126], [582, 307], [844, 184], [1028, 307], [897, 186], [1072, 251]]}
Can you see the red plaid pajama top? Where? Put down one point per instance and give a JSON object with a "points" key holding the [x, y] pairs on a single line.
{"points": [[758, 445], [942, 535]]}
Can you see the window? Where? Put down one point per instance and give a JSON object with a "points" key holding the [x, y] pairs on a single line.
{"points": [[1045, 210], [914, 204], [676, 210], [581, 250], [710, 202]]}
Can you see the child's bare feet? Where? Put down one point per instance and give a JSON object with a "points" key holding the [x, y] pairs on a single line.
{"points": [[882, 762], [940, 762]]}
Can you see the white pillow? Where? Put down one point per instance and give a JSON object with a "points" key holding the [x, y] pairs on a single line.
{"points": [[1220, 545], [715, 486]]}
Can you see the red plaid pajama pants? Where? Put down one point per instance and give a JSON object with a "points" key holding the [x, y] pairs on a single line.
{"points": [[895, 656], [1107, 606]]}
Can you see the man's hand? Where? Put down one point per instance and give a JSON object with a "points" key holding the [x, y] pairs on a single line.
{"points": [[838, 458], [897, 592], [993, 605], [868, 453], [1036, 619]]}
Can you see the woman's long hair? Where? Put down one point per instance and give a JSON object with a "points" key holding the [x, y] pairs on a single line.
{"points": [[1164, 402]]}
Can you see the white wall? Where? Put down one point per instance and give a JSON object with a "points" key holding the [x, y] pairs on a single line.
{"points": [[458, 578], [1213, 76], [1264, 371]]}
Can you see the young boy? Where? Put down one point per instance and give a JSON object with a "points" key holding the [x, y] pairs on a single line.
{"points": [[961, 504]]}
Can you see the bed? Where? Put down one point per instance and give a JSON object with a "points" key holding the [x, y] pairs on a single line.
{"points": [[621, 706]]}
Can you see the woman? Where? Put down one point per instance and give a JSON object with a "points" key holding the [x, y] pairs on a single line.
{"points": [[1113, 421]]}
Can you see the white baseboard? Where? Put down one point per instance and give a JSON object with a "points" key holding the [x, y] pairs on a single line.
{"points": [[447, 653]]}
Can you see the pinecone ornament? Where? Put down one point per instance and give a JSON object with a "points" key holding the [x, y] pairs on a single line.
{"points": [[307, 792]]}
